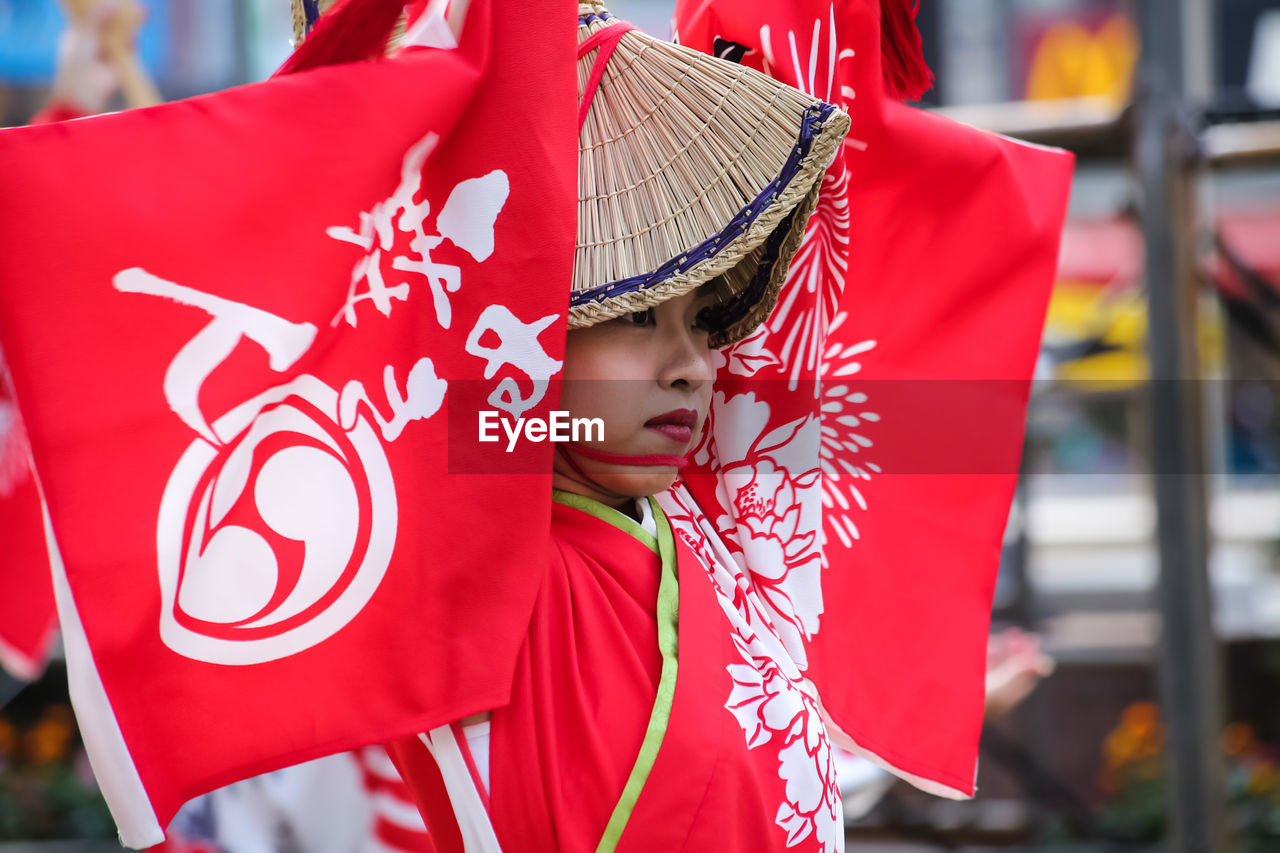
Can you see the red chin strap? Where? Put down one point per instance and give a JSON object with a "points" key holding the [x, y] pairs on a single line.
{"points": [[639, 460]]}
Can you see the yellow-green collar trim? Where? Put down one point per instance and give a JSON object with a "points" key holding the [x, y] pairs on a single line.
{"points": [[609, 515], [668, 644]]}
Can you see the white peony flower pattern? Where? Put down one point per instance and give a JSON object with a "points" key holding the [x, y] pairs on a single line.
{"points": [[783, 490], [770, 698], [789, 474]]}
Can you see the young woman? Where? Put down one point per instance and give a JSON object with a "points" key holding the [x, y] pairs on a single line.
{"points": [[627, 726], [621, 730]]}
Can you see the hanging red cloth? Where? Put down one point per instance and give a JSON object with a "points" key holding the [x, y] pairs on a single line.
{"points": [[866, 442]]}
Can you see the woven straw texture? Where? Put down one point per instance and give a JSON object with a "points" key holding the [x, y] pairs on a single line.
{"points": [[300, 18], [300, 22], [687, 166]]}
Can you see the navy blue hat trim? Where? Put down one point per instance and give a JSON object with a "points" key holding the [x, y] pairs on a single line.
{"points": [[723, 317], [311, 8], [811, 123]]}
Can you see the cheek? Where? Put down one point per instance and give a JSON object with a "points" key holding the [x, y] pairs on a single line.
{"points": [[709, 359], [612, 401], [601, 377], [591, 398], [601, 353]]}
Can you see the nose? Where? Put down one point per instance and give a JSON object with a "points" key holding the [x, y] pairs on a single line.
{"points": [[688, 361]]}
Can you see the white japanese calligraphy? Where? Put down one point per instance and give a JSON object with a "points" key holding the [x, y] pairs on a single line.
{"points": [[517, 346], [424, 392], [285, 343], [303, 463], [467, 220]]}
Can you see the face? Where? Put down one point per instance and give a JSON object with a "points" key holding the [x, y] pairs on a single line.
{"points": [[648, 376]]}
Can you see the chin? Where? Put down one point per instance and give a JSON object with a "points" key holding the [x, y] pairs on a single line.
{"points": [[637, 484]]}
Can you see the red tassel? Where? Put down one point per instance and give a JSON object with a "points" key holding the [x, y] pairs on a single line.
{"points": [[352, 31], [906, 76]]}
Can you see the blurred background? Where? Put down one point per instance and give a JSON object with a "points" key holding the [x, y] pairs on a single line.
{"points": [[1144, 546]]}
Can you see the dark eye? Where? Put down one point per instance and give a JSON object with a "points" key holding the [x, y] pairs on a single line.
{"points": [[642, 318], [703, 322]]}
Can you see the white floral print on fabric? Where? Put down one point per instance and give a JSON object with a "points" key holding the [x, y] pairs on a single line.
{"points": [[819, 268], [789, 479], [816, 78], [799, 325], [770, 698], [845, 414], [771, 510]]}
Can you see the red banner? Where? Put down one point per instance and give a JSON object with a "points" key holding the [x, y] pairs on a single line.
{"points": [[233, 324]]}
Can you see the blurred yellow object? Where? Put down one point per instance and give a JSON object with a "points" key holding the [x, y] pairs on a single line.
{"points": [[1133, 749], [1142, 719], [1072, 62], [1119, 748], [1118, 370], [46, 742], [1262, 779], [1072, 311], [1108, 328]]}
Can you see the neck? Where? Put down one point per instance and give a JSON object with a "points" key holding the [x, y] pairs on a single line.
{"points": [[576, 485]]}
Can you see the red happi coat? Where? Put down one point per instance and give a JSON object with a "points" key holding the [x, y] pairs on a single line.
{"points": [[249, 333], [617, 727]]}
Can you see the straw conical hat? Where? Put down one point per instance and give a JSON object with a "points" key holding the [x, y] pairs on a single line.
{"points": [[690, 168], [307, 12]]}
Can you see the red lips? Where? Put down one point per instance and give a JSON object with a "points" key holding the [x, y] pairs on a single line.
{"points": [[677, 424]]}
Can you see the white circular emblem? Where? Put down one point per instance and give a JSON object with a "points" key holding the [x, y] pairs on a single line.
{"points": [[274, 542]]}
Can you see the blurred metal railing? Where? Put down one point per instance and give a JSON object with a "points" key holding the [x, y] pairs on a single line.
{"points": [[1167, 151]]}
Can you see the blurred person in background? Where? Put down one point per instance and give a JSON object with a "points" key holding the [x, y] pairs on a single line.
{"points": [[97, 58]]}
